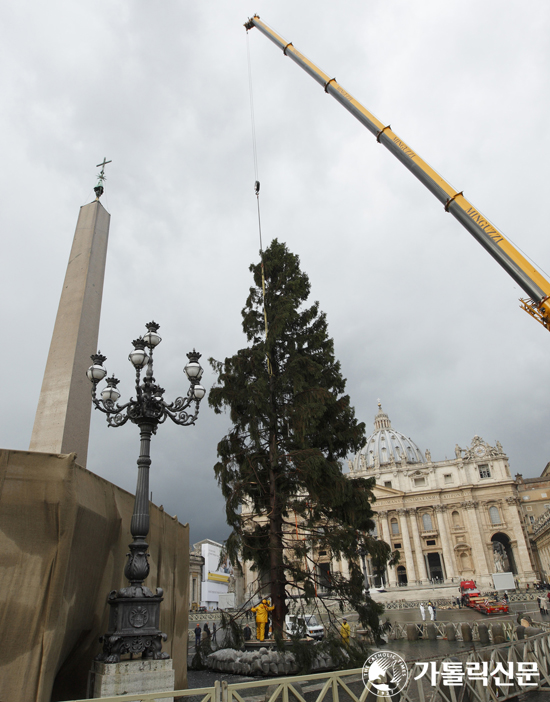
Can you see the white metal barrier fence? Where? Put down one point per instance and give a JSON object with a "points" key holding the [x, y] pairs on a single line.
{"points": [[398, 630]]}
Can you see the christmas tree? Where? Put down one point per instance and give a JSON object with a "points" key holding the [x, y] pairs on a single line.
{"points": [[280, 465]]}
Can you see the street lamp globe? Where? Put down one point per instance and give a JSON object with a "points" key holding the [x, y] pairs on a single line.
{"points": [[193, 370], [97, 372], [151, 338], [138, 357], [199, 392], [110, 393]]}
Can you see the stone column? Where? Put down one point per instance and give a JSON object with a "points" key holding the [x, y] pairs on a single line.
{"points": [[343, 568], [516, 527], [409, 560], [420, 562], [387, 538], [367, 572], [62, 422], [443, 566], [446, 541], [476, 539]]}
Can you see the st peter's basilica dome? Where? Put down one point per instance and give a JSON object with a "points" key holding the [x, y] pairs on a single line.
{"points": [[386, 445]]}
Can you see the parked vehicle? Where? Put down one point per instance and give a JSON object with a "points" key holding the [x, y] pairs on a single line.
{"points": [[304, 625]]}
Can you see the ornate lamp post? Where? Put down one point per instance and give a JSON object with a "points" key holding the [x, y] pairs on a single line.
{"points": [[135, 610]]}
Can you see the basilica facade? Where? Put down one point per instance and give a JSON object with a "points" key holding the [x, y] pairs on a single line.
{"points": [[450, 520]]}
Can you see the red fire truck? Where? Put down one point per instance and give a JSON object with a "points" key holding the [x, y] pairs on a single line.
{"points": [[471, 597]]}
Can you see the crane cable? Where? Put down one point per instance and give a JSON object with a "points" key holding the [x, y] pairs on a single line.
{"points": [[257, 191]]}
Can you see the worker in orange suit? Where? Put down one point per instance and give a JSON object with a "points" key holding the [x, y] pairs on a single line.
{"points": [[261, 611], [345, 631]]}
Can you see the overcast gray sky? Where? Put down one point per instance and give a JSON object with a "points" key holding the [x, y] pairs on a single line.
{"points": [[421, 316]]}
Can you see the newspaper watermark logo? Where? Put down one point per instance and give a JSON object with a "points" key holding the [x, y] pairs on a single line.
{"points": [[503, 675], [385, 671]]}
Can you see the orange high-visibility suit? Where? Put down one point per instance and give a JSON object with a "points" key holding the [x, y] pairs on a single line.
{"points": [[261, 611]]}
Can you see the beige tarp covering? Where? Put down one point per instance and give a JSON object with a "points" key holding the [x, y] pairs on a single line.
{"points": [[64, 533]]}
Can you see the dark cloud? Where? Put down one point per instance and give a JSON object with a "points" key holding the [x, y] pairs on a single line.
{"points": [[420, 314]]}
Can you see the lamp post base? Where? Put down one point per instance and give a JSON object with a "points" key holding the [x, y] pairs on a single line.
{"points": [[133, 626], [131, 677]]}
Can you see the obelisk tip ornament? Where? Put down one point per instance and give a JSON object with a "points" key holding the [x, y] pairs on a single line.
{"points": [[99, 189]]}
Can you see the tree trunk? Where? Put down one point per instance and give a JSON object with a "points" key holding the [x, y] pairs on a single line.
{"points": [[277, 571]]}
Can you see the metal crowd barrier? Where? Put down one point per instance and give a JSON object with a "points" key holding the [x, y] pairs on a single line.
{"points": [[398, 630]]}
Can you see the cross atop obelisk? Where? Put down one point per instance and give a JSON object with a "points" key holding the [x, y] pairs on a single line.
{"points": [[62, 422], [101, 178]]}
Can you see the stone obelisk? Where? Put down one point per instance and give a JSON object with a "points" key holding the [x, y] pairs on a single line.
{"points": [[62, 422]]}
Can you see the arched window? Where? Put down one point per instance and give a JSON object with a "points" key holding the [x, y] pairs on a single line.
{"points": [[394, 527], [427, 522], [457, 522], [494, 515]]}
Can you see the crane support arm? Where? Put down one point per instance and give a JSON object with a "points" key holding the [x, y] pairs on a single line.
{"points": [[492, 240]]}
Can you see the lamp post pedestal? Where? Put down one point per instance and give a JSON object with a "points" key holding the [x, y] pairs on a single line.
{"points": [[131, 677], [133, 627]]}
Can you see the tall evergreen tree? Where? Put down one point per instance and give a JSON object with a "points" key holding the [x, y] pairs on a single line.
{"points": [[280, 466]]}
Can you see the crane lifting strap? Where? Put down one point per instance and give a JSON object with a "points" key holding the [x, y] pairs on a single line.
{"points": [[257, 193]]}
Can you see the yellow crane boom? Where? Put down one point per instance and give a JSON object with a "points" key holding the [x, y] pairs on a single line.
{"points": [[524, 273]]}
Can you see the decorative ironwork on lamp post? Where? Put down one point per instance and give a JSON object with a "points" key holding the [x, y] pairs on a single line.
{"points": [[135, 610]]}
